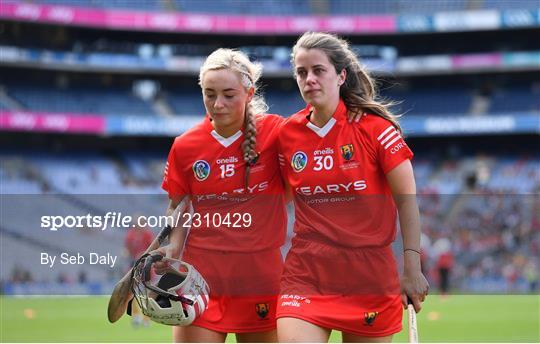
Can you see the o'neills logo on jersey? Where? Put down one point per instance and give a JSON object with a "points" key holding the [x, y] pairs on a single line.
{"points": [[229, 160], [299, 161], [358, 185], [325, 151], [201, 169]]}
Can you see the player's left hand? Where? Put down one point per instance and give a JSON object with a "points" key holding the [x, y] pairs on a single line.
{"points": [[355, 116], [416, 287]]}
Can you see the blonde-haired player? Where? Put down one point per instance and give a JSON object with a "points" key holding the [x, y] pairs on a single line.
{"points": [[228, 165]]}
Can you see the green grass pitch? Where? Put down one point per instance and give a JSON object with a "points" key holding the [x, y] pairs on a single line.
{"points": [[473, 318]]}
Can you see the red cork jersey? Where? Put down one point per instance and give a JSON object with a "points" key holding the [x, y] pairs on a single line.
{"points": [[338, 177], [211, 169]]}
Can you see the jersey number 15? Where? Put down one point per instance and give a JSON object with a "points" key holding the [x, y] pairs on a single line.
{"points": [[227, 170]]}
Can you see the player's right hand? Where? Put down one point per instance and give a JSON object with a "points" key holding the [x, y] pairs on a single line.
{"points": [[168, 251]]}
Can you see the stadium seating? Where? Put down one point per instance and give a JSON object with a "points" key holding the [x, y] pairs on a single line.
{"points": [[115, 101], [79, 100], [511, 4], [304, 7], [344, 7], [111, 4], [492, 221], [185, 102], [34, 185], [284, 103], [235, 7], [511, 176], [431, 101], [515, 99], [427, 7]]}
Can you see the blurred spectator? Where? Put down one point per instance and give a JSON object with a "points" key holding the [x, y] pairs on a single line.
{"points": [[82, 277], [20, 275], [445, 262], [137, 241], [532, 275]]}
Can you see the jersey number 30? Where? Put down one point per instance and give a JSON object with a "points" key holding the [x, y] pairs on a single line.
{"points": [[323, 162]]}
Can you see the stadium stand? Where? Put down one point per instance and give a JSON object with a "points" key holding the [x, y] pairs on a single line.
{"points": [[343, 7], [516, 99], [266, 7], [485, 206], [302, 7], [111, 4], [80, 100], [505, 199], [509, 4], [431, 101], [116, 101], [187, 102]]}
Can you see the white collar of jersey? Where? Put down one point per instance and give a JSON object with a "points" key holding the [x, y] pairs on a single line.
{"points": [[324, 130], [226, 141]]}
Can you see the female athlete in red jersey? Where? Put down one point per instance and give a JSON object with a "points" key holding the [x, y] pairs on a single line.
{"points": [[349, 181], [229, 168]]}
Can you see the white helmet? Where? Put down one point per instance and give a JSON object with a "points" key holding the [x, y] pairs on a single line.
{"points": [[179, 297]]}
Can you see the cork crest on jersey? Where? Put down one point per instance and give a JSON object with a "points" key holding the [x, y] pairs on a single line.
{"points": [[347, 151], [348, 154], [369, 318]]}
